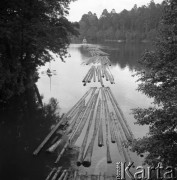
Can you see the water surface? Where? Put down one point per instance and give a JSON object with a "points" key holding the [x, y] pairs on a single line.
{"points": [[68, 88]]}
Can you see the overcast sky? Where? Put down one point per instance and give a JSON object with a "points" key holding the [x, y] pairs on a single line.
{"points": [[80, 7]]}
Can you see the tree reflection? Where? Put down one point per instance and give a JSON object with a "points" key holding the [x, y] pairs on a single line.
{"points": [[122, 54], [23, 126]]}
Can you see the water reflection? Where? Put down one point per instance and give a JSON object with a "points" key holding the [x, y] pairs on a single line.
{"points": [[22, 127], [121, 54]]}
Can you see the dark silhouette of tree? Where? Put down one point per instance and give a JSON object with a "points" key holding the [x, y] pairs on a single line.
{"points": [[29, 30], [159, 81]]}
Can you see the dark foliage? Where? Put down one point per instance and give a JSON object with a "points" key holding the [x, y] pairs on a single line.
{"points": [[140, 23], [29, 31], [159, 81]]}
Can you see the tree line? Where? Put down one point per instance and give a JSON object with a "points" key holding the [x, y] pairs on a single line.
{"points": [[140, 23]]}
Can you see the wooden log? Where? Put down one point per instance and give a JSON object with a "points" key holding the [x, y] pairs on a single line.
{"points": [[112, 131], [83, 146], [122, 115], [91, 76], [118, 117], [38, 149], [54, 146], [74, 113], [78, 103], [75, 177], [94, 76], [88, 154], [83, 121], [98, 74], [86, 76], [106, 75], [66, 176], [120, 143], [62, 151], [62, 175], [106, 123], [56, 174], [100, 135], [77, 123], [101, 80], [69, 130], [111, 74], [50, 174]]}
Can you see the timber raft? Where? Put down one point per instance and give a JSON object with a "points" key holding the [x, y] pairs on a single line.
{"points": [[98, 107]]}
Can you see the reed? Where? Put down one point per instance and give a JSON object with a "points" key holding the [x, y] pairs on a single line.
{"points": [[83, 146], [50, 174], [88, 154], [56, 174]]}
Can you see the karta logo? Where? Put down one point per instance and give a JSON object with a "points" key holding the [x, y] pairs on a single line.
{"points": [[123, 170]]}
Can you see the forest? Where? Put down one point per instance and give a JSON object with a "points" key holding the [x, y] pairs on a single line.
{"points": [[138, 24]]}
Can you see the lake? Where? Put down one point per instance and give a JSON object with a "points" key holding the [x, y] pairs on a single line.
{"points": [[68, 88], [20, 138]]}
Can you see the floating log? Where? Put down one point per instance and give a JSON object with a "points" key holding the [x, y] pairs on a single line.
{"points": [[50, 174], [66, 176], [75, 177], [62, 175], [112, 131], [76, 111], [77, 123], [82, 149], [100, 135], [69, 130], [83, 121], [62, 151], [88, 154], [106, 123], [56, 174], [91, 75], [118, 116], [124, 150], [94, 76], [86, 76], [54, 146], [48, 137], [101, 80], [38, 149], [122, 115], [98, 74]]}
